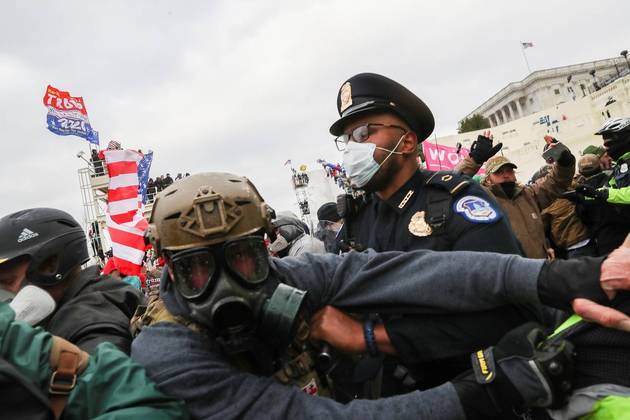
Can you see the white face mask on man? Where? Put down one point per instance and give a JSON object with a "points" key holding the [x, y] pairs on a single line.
{"points": [[359, 163]]}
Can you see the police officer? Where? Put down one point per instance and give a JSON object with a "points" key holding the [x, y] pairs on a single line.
{"points": [[230, 319], [380, 126], [606, 209]]}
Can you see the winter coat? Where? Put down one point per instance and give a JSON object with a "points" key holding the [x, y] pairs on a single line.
{"points": [[95, 309], [112, 386], [524, 208], [564, 226]]}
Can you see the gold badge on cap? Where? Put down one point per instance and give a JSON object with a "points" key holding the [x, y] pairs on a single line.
{"points": [[418, 226], [346, 96]]}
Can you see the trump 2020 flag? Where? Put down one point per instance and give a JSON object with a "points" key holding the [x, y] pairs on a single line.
{"points": [[143, 175], [67, 115]]}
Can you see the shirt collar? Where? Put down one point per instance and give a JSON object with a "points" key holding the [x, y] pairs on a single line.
{"points": [[401, 199]]}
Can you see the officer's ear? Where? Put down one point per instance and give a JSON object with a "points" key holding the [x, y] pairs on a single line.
{"points": [[409, 143]]}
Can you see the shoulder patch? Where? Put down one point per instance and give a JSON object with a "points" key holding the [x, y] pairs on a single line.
{"points": [[476, 209], [449, 181]]}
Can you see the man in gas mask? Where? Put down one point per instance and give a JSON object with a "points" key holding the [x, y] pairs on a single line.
{"points": [[230, 331], [291, 237], [523, 204]]}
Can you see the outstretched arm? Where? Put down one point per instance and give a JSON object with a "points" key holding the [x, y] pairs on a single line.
{"points": [[222, 391], [441, 282]]}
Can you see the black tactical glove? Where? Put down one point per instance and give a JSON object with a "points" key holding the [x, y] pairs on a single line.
{"points": [[521, 371], [594, 193], [482, 150], [561, 281]]}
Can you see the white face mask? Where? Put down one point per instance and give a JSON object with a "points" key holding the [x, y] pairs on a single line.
{"points": [[359, 163]]}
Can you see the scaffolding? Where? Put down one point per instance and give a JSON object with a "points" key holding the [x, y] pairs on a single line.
{"points": [[93, 181], [300, 182]]}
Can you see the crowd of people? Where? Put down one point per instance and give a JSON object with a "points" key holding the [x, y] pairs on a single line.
{"points": [[161, 182], [336, 172], [154, 184], [427, 295]]}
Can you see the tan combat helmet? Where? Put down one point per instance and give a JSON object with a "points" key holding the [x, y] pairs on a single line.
{"points": [[207, 209]]}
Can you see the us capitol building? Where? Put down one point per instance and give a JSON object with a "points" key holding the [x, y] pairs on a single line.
{"points": [[569, 103]]}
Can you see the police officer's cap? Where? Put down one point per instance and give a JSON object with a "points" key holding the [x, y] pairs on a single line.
{"points": [[369, 92]]}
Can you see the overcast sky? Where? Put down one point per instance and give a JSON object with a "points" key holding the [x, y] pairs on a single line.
{"points": [[242, 86]]}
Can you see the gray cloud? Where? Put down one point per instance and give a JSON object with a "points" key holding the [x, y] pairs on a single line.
{"points": [[242, 86]]}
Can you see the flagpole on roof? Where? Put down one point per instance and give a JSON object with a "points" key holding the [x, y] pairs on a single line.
{"points": [[524, 46]]}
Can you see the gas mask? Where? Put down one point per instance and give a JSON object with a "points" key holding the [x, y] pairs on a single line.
{"points": [[359, 163], [286, 234], [228, 289], [327, 232]]}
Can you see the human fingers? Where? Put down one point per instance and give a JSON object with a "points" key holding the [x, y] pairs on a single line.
{"points": [[615, 272], [602, 315]]}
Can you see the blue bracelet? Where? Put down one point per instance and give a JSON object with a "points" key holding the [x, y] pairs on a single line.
{"points": [[370, 340]]}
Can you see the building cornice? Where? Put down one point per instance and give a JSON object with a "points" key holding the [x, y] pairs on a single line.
{"points": [[538, 75]]}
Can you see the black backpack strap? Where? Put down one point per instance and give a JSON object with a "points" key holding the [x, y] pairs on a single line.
{"points": [[442, 187], [20, 397]]}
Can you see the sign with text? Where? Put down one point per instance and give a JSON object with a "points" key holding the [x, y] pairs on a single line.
{"points": [[67, 115], [443, 158]]}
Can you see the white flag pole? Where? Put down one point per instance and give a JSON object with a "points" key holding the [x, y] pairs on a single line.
{"points": [[529, 70]]}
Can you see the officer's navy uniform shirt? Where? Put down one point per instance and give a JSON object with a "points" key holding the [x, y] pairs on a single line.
{"points": [[384, 224], [437, 348]]}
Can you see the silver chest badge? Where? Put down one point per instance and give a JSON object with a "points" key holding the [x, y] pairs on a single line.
{"points": [[418, 226]]}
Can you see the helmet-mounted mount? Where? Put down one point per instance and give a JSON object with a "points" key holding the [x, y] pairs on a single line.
{"points": [[210, 214]]}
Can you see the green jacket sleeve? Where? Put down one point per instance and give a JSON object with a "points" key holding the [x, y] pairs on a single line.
{"points": [[619, 195], [111, 387], [25, 347]]}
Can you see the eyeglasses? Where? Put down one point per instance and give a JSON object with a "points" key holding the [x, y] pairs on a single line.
{"points": [[361, 134], [194, 269]]}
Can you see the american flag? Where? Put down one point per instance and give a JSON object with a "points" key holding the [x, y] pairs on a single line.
{"points": [[527, 44], [113, 145], [125, 222], [143, 175]]}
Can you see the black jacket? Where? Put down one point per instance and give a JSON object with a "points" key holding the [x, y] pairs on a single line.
{"points": [[95, 309]]}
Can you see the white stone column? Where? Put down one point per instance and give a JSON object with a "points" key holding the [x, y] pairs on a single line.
{"points": [[518, 108], [502, 114]]}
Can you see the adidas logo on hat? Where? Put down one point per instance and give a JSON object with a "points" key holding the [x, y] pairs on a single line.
{"points": [[26, 235]]}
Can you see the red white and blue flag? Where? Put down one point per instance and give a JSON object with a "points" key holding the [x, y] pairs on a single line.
{"points": [[67, 115], [143, 175], [527, 44], [125, 223]]}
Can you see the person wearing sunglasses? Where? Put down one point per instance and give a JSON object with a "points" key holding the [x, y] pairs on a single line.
{"points": [[230, 333]]}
